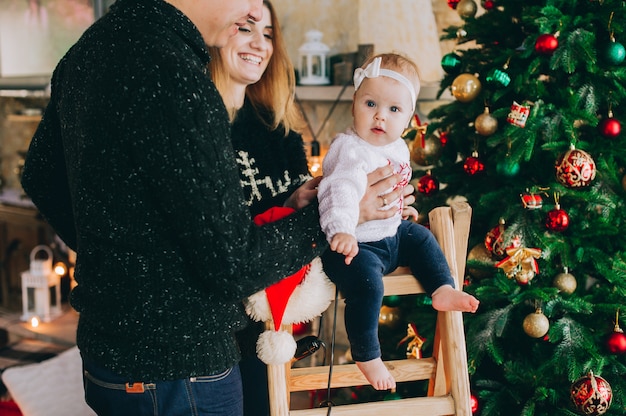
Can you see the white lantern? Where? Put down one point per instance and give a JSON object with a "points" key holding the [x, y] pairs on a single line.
{"points": [[41, 287], [312, 63]]}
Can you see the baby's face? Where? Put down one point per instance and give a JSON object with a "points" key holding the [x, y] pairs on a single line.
{"points": [[382, 109]]}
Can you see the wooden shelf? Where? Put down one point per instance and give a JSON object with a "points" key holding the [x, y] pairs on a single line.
{"points": [[428, 92], [21, 118]]}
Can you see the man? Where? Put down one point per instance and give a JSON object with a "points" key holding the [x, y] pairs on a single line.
{"points": [[132, 166]]}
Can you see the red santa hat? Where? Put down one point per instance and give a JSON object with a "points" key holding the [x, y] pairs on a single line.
{"points": [[298, 298]]}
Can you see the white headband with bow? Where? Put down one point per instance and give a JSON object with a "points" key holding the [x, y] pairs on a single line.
{"points": [[373, 71]]}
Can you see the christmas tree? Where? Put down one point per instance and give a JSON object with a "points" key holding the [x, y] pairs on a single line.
{"points": [[532, 139]]}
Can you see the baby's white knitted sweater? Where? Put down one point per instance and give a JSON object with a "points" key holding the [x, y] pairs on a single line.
{"points": [[345, 167]]}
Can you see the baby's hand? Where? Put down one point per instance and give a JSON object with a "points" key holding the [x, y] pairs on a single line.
{"points": [[345, 244]]}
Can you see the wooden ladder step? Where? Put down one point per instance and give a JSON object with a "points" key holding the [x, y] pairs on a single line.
{"points": [[431, 406], [346, 375], [402, 282]]}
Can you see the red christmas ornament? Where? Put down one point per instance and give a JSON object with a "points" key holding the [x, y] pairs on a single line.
{"points": [[575, 168], [616, 341], [453, 3], [428, 185], [300, 328], [443, 138], [474, 404], [610, 128], [592, 395], [546, 44], [473, 165], [494, 240], [487, 4], [557, 219]]}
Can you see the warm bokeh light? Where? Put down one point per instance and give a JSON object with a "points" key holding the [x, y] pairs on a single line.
{"points": [[60, 268], [34, 322]]}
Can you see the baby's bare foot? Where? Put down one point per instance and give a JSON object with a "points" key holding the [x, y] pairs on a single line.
{"points": [[447, 298], [377, 374]]}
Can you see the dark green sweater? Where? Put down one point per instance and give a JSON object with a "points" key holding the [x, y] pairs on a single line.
{"points": [[133, 167]]}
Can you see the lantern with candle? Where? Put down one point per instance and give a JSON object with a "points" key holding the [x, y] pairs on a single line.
{"points": [[41, 289], [312, 62]]}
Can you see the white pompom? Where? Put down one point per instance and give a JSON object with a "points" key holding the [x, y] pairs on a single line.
{"points": [[276, 347]]}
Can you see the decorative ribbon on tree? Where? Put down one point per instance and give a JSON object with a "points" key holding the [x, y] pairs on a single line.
{"points": [[415, 342], [520, 263]]}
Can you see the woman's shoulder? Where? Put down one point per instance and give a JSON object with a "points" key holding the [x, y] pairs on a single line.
{"points": [[257, 122]]}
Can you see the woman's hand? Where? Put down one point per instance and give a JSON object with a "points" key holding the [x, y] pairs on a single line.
{"points": [[303, 196], [379, 181], [409, 211]]}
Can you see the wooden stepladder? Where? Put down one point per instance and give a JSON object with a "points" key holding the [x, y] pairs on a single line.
{"points": [[446, 370]]}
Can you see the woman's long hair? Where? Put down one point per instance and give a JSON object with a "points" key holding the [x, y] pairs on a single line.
{"points": [[275, 91]]}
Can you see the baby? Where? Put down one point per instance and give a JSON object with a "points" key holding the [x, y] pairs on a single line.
{"points": [[386, 89]]}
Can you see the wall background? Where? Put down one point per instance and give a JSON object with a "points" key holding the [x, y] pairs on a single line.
{"points": [[412, 27]]}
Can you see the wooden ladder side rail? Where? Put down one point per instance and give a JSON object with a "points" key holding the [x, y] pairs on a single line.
{"points": [[450, 348], [449, 382]]}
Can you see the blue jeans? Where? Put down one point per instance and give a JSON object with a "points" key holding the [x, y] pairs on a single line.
{"points": [[216, 395], [361, 283]]}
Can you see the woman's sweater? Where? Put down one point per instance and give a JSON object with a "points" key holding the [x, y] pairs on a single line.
{"points": [[271, 164]]}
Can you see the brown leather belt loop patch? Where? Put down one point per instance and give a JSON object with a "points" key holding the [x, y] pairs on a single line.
{"points": [[134, 388]]}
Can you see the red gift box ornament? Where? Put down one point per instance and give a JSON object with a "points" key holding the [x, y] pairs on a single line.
{"points": [[531, 200], [519, 114]]}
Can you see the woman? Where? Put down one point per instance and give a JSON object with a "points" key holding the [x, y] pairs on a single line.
{"points": [[257, 82]]}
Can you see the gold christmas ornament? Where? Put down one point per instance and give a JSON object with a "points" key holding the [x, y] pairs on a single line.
{"points": [[426, 151], [624, 182], [565, 282], [389, 316], [480, 256], [467, 8], [465, 87], [536, 324], [486, 124]]}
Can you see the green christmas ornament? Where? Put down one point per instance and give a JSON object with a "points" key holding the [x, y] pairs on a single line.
{"points": [[507, 167], [451, 62], [498, 78], [394, 395], [614, 53], [392, 300]]}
